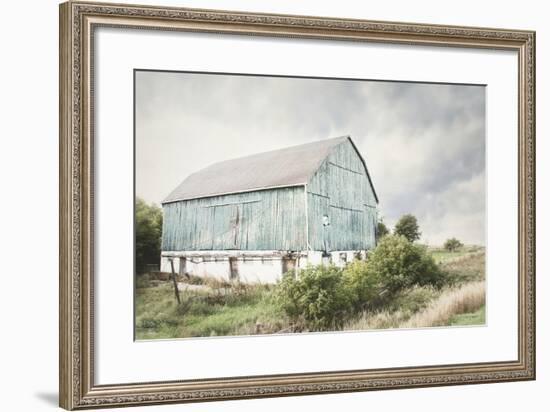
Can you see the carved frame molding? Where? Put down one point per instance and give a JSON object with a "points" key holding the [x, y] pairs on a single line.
{"points": [[77, 23]]}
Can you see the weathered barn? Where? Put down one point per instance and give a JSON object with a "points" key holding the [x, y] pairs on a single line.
{"points": [[256, 217]]}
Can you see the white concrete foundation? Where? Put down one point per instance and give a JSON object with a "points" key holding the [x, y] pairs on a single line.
{"points": [[250, 266]]}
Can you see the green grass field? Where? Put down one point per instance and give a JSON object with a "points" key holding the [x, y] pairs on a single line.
{"points": [[210, 312], [467, 319], [443, 256], [217, 309]]}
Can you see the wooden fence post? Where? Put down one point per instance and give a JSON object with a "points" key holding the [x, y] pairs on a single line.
{"points": [[176, 290]]}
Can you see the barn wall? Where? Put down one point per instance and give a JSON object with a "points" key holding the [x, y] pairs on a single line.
{"points": [[248, 266], [262, 220], [341, 190]]}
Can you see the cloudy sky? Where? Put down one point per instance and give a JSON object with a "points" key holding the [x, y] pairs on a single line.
{"points": [[424, 144]]}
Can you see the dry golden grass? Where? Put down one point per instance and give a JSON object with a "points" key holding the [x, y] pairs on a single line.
{"points": [[439, 312], [465, 299], [378, 320]]}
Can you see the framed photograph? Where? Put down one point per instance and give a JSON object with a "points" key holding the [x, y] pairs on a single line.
{"points": [[258, 205]]}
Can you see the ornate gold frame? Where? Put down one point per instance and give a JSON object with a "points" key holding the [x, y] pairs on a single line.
{"points": [[77, 23]]}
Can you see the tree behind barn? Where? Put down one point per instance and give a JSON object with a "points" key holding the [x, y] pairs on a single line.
{"points": [[381, 230], [407, 226], [148, 234]]}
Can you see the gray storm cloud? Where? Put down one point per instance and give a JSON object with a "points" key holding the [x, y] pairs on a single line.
{"points": [[424, 144]]}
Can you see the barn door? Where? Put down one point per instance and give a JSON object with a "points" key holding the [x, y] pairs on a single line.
{"points": [[233, 268], [183, 266], [236, 221], [289, 264]]}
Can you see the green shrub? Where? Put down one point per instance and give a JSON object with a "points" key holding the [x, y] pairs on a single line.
{"points": [[397, 272], [365, 286], [398, 264], [318, 297], [429, 272], [414, 299]]}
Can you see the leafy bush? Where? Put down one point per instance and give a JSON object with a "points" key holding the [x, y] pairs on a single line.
{"points": [[452, 244], [414, 299], [318, 297], [321, 298], [429, 272], [364, 285], [398, 264]]}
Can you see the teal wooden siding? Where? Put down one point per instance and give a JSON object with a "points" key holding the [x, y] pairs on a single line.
{"points": [[340, 189], [272, 219]]}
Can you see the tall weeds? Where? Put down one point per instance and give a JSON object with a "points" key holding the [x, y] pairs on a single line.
{"points": [[437, 312], [465, 299]]}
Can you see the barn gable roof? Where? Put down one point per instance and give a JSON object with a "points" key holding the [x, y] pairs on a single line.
{"points": [[291, 166]]}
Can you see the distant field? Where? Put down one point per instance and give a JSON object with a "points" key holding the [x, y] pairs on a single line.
{"points": [[220, 309], [443, 256]]}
